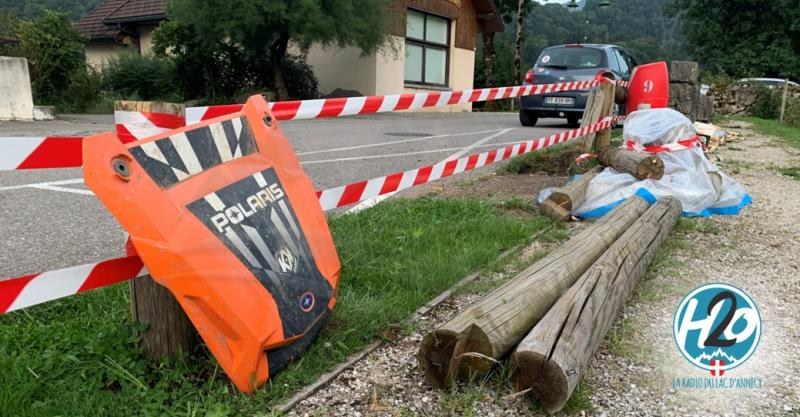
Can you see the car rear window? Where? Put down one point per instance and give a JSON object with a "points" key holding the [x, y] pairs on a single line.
{"points": [[570, 58]]}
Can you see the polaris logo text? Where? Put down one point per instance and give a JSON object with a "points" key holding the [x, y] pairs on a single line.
{"points": [[252, 205]]}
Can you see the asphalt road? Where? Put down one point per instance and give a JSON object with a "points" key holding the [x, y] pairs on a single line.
{"points": [[46, 223]]}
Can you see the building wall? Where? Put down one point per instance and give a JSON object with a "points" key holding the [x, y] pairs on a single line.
{"points": [[343, 68], [98, 52], [16, 102], [146, 39]]}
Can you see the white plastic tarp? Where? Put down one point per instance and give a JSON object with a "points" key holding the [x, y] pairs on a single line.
{"points": [[688, 175]]}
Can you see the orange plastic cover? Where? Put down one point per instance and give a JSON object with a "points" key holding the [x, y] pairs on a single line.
{"points": [[649, 87], [223, 215]]}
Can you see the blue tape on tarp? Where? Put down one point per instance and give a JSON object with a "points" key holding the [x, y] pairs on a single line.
{"points": [[651, 198]]}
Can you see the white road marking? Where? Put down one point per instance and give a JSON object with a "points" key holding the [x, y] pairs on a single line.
{"points": [[474, 145], [60, 182], [63, 189], [394, 142]]}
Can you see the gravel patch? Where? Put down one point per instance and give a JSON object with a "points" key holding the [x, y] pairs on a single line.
{"points": [[632, 373]]}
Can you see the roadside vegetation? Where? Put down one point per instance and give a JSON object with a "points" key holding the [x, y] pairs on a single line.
{"points": [[78, 356]]}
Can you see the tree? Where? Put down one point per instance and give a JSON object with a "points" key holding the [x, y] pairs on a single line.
{"points": [[742, 37], [506, 10], [522, 11], [264, 29], [54, 49]]}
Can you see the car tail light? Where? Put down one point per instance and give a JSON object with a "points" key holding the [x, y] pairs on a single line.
{"points": [[529, 76]]}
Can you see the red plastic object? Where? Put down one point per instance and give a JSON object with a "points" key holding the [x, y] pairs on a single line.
{"points": [[649, 87]]}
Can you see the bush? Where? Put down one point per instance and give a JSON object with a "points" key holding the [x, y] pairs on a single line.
{"points": [[83, 92], [142, 77], [768, 104]]}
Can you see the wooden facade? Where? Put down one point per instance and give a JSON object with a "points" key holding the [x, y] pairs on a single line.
{"points": [[468, 21]]}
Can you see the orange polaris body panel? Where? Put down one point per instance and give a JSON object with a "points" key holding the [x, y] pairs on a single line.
{"points": [[648, 87], [223, 215]]}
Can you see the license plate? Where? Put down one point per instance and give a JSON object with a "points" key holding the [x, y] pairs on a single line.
{"points": [[561, 101]]}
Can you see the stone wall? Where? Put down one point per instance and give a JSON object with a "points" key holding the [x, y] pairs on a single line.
{"points": [[684, 92], [16, 101], [739, 98]]}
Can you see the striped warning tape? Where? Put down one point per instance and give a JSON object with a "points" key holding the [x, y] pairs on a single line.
{"points": [[133, 125], [28, 290], [40, 152], [348, 106], [65, 152], [675, 146]]}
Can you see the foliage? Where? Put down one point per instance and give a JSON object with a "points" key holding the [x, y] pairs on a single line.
{"points": [[54, 50], [77, 356], [222, 71], [138, 77], [743, 37], [258, 31], [768, 104], [34, 8]]}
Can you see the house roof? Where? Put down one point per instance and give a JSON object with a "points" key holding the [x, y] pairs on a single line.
{"points": [[486, 13], [104, 20]]}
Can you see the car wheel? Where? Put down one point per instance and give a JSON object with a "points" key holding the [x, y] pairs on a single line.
{"points": [[573, 121], [528, 118]]}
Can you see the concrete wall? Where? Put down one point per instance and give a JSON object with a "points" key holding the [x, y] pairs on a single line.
{"points": [[16, 100], [99, 52]]}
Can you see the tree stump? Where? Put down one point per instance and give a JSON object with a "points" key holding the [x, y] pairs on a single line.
{"points": [[641, 165], [552, 357], [169, 330], [472, 342]]}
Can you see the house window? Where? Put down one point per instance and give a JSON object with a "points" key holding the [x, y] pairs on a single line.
{"points": [[427, 48]]}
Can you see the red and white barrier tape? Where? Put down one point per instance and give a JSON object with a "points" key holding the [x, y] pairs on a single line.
{"points": [[348, 106], [675, 146], [28, 290], [363, 190], [133, 125], [65, 152], [623, 83], [584, 156], [40, 152]]}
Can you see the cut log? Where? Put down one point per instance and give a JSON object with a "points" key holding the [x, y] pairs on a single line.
{"points": [[573, 194], [473, 341], [603, 139], [597, 105], [554, 211], [551, 359], [641, 165], [169, 330]]}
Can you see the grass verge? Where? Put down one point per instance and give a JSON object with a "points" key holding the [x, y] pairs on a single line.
{"points": [[78, 357], [771, 128]]}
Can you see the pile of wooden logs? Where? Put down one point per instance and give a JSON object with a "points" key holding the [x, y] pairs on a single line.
{"points": [[641, 165], [557, 311]]}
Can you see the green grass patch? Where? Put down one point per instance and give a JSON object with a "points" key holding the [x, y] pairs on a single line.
{"points": [[772, 128], [792, 172], [553, 160], [78, 356]]}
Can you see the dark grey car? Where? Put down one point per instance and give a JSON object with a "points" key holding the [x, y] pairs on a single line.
{"points": [[565, 63]]}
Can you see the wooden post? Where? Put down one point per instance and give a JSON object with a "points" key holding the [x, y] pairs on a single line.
{"points": [[641, 165], [595, 105], [169, 330], [603, 138], [550, 360], [472, 342], [783, 101]]}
